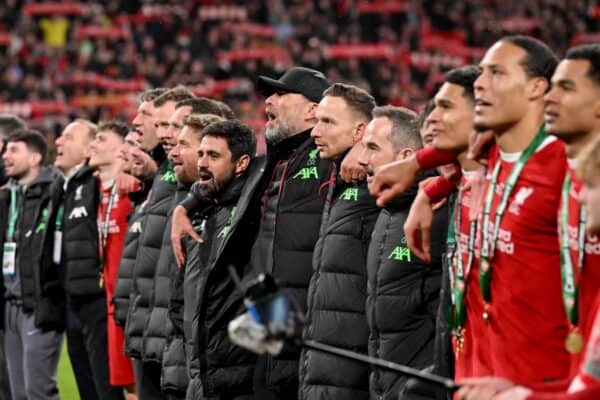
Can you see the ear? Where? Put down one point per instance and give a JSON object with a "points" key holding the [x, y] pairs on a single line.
{"points": [[311, 110], [404, 153], [538, 88], [35, 159], [359, 131], [241, 165]]}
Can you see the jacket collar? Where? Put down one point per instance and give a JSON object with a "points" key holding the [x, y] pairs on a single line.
{"points": [[285, 148]]}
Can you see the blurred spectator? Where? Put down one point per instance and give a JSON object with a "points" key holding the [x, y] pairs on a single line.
{"points": [[90, 59]]}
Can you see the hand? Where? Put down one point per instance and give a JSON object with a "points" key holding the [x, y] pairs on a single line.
{"points": [[514, 393], [479, 144], [393, 179], [482, 388], [181, 226], [126, 183], [417, 228], [351, 171]]}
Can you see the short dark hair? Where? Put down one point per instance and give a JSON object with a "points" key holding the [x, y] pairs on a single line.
{"points": [[590, 53], [198, 122], [10, 123], [358, 99], [200, 105], [226, 111], [465, 77], [540, 60], [176, 94], [117, 126], [34, 141], [405, 126], [427, 109], [240, 139], [151, 94]]}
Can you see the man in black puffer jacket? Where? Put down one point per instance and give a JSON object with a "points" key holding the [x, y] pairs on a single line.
{"points": [[337, 291], [141, 166], [402, 290], [286, 204], [32, 349], [70, 245], [152, 115], [219, 369]]}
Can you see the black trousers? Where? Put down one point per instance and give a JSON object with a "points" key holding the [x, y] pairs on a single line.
{"points": [[147, 380], [87, 343]]}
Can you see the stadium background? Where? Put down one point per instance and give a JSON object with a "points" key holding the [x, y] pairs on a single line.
{"points": [[62, 60]]}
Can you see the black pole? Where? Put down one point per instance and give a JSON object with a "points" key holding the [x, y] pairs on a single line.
{"points": [[388, 365]]}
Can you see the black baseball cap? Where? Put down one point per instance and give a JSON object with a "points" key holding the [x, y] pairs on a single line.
{"points": [[306, 81]]}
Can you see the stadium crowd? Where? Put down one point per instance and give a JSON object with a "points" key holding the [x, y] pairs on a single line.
{"points": [[460, 240]]}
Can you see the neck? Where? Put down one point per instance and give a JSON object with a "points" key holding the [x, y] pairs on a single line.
{"points": [[574, 147], [518, 136], [109, 172], [467, 164], [29, 176]]}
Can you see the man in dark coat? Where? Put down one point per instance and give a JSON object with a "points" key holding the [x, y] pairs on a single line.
{"points": [[285, 204], [402, 290], [337, 290]]}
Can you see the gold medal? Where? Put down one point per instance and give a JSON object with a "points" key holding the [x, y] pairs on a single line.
{"points": [[574, 342]]}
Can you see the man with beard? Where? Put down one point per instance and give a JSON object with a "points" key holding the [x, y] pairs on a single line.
{"points": [[182, 291], [151, 121], [336, 294], [218, 369], [32, 349], [285, 194], [402, 290], [8, 124]]}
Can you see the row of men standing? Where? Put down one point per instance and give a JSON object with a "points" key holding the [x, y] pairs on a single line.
{"points": [[288, 214]]}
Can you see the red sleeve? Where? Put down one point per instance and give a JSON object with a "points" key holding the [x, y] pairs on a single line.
{"points": [[441, 187], [589, 393], [428, 157], [556, 386]]}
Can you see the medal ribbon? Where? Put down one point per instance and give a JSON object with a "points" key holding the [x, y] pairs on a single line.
{"points": [[462, 270], [567, 269], [104, 228], [488, 245]]}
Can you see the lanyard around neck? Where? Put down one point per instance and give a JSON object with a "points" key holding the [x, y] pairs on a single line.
{"points": [[488, 244]]}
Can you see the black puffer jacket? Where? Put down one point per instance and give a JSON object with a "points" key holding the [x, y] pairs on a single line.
{"points": [[80, 262], [158, 205], [291, 211], [226, 370], [124, 284], [337, 294], [159, 324], [402, 296], [32, 201]]}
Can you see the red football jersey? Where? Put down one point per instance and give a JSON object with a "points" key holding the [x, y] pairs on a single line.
{"points": [[474, 359], [527, 327], [589, 276], [121, 369]]}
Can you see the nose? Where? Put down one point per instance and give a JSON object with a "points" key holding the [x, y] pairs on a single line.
{"points": [[481, 82], [202, 162], [316, 131], [271, 99], [551, 96], [58, 141], [137, 121], [434, 116], [363, 157]]}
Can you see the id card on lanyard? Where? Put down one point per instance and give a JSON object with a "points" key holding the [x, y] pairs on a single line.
{"points": [[10, 246], [57, 249]]}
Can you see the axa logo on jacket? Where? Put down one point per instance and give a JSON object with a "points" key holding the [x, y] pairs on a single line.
{"points": [[78, 212]]}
